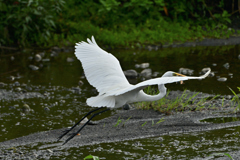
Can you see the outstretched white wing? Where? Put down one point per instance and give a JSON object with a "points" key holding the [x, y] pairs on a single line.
{"points": [[102, 69], [155, 81]]}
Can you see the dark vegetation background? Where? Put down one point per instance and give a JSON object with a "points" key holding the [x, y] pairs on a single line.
{"points": [[29, 23]]}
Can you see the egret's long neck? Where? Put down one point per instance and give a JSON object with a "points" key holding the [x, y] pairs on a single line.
{"points": [[146, 97]]}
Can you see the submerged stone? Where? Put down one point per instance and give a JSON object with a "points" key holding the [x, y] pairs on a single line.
{"points": [[34, 68], [222, 79], [126, 107], [38, 58], [70, 59], [146, 73], [226, 65], [80, 83], [143, 65], [186, 71], [26, 108], [131, 73], [2, 84]]}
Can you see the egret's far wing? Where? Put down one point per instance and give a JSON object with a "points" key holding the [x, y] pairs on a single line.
{"points": [[102, 69], [156, 81]]}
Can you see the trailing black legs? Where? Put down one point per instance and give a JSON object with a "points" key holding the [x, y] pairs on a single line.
{"points": [[94, 115]]}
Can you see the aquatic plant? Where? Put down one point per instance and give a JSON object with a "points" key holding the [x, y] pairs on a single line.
{"points": [[91, 157], [161, 120], [120, 120], [235, 99], [225, 154], [144, 123]]}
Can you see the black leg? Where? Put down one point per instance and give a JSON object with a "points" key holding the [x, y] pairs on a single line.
{"points": [[85, 125], [78, 122]]}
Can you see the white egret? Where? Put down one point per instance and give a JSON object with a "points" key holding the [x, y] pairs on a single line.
{"points": [[104, 72]]}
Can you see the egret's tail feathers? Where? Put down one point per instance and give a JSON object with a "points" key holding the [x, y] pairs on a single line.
{"points": [[101, 101]]}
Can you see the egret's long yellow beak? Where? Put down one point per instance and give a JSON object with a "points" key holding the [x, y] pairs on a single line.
{"points": [[178, 74]]}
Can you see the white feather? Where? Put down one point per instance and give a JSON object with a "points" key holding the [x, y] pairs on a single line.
{"points": [[102, 69]]}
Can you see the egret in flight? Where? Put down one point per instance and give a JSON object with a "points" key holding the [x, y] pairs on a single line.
{"points": [[103, 71]]}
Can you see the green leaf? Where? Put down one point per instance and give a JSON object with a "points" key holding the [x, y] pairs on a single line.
{"points": [[226, 154], [92, 157], [29, 2], [118, 122], [28, 19], [160, 2], [144, 123], [161, 120], [52, 23]]}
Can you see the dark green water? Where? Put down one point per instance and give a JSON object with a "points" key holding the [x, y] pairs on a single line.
{"points": [[221, 119], [62, 105]]}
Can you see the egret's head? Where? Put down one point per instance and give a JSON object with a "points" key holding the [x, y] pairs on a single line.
{"points": [[172, 74]]}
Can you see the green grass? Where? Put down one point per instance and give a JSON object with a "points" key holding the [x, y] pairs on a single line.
{"points": [[120, 121], [184, 102], [235, 100], [159, 33]]}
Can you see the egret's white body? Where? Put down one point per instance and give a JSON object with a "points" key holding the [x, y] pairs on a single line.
{"points": [[104, 72]]}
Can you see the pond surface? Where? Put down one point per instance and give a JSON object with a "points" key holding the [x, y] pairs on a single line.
{"points": [[221, 119], [62, 101]]}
